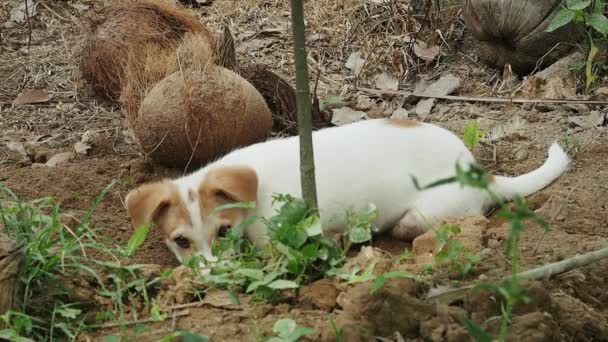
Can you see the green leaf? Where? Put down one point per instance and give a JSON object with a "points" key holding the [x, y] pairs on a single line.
{"points": [[315, 227], [283, 284], [471, 134], [366, 276], [251, 273], [331, 100], [299, 332], [562, 18], [359, 235], [188, 336], [381, 279], [284, 327], [68, 312], [137, 239], [111, 338], [599, 22], [475, 330], [578, 4]]}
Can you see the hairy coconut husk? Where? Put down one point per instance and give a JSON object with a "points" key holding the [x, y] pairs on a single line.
{"points": [[149, 64], [194, 116], [131, 25], [278, 94], [225, 51], [514, 32], [280, 97]]}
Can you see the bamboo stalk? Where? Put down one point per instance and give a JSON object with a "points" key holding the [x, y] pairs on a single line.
{"points": [[307, 166]]}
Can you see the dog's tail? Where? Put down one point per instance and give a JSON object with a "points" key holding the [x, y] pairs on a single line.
{"points": [[529, 183]]}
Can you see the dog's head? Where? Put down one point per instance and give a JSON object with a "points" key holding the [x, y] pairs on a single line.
{"points": [[185, 209]]}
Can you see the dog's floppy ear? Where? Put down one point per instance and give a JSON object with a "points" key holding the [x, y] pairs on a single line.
{"points": [[147, 203], [231, 184]]}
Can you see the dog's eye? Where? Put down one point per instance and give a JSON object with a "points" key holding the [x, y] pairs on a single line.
{"points": [[182, 242], [223, 231]]}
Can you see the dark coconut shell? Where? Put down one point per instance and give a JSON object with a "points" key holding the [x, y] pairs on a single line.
{"points": [[127, 25], [514, 32], [280, 97], [194, 116]]}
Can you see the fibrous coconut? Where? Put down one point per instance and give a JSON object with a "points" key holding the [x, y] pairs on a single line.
{"points": [[514, 32], [193, 116], [149, 64], [130, 25]]}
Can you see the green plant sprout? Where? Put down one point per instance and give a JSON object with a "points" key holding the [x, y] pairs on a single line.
{"points": [[510, 290], [589, 13], [287, 330], [453, 253], [472, 135]]}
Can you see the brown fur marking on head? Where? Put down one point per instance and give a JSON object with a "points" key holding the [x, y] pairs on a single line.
{"points": [[223, 185], [227, 185], [157, 203], [491, 178], [404, 122]]}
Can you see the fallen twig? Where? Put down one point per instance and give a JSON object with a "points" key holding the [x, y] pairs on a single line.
{"points": [[140, 321], [481, 99], [544, 271]]}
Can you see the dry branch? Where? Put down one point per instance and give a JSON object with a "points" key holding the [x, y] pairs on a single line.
{"points": [[482, 99], [541, 272]]}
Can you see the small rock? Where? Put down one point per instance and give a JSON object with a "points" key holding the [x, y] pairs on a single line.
{"points": [[60, 159], [596, 118], [527, 106], [579, 121], [601, 94], [364, 103], [399, 113], [492, 243], [545, 107], [444, 86], [521, 154], [576, 108], [486, 252], [443, 110], [424, 107], [482, 277]]}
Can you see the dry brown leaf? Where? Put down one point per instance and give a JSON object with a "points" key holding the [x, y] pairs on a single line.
{"points": [[60, 159], [426, 53], [30, 96], [81, 147], [19, 15], [386, 81], [346, 115], [355, 62], [255, 44], [17, 147]]}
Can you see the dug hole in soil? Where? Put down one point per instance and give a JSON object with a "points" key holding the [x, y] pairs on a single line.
{"points": [[567, 307]]}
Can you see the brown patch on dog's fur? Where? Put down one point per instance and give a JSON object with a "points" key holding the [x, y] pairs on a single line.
{"points": [[158, 203], [223, 185], [404, 122]]}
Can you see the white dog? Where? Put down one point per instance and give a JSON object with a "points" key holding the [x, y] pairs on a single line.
{"points": [[368, 162]]}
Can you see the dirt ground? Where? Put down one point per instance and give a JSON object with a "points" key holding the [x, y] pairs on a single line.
{"points": [[568, 307]]}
